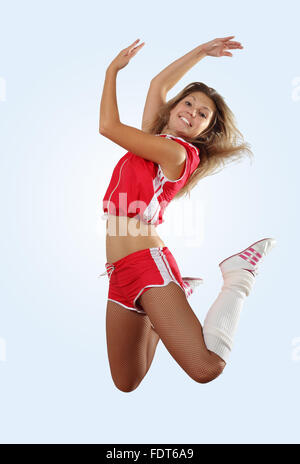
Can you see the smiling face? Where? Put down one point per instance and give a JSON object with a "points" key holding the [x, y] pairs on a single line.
{"points": [[197, 108]]}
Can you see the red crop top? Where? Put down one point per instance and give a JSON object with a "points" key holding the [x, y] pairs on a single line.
{"points": [[138, 187]]}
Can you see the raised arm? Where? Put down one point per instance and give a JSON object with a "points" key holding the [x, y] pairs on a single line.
{"points": [[164, 81], [159, 150], [169, 76], [156, 98]]}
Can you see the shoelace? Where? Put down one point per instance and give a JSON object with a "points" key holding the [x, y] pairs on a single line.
{"points": [[109, 270]]}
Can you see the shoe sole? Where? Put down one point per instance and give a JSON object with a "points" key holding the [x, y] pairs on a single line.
{"points": [[235, 254]]}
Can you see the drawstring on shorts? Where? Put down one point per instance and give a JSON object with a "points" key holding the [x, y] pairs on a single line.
{"points": [[109, 270]]}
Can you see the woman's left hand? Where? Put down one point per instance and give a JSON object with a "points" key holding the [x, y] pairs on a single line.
{"points": [[125, 56]]}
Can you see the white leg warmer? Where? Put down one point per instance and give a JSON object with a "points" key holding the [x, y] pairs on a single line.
{"points": [[222, 318]]}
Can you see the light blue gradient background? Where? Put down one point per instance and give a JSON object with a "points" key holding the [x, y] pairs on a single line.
{"points": [[55, 167]]}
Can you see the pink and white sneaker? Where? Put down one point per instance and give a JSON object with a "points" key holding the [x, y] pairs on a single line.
{"points": [[190, 283], [250, 258]]}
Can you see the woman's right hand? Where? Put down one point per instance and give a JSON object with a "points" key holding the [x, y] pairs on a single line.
{"points": [[217, 47]]}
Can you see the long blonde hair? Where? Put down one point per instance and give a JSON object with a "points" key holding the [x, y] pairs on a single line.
{"points": [[220, 143]]}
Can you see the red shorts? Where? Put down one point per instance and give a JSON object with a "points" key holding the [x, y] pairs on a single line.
{"points": [[131, 276]]}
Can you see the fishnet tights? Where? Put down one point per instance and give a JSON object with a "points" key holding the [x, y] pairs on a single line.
{"points": [[131, 344], [131, 341]]}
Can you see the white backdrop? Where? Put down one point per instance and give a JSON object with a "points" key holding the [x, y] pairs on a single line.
{"points": [[54, 374]]}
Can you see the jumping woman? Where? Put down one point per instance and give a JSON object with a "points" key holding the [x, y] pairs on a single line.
{"points": [[182, 140]]}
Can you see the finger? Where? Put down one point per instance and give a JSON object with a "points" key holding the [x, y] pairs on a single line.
{"points": [[130, 46], [227, 38], [231, 42], [134, 52], [138, 47], [231, 45], [227, 54], [135, 42]]}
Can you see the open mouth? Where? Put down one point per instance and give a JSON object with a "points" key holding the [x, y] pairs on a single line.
{"points": [[185, 121]]}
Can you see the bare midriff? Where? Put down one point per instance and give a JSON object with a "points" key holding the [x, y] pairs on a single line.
{"points": [[126, 235]]}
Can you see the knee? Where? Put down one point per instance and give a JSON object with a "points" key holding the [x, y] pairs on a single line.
{"points": [[209, 373], [127, 387]]}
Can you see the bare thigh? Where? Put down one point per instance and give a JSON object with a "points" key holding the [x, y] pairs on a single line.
{"points": [[131, 342]]}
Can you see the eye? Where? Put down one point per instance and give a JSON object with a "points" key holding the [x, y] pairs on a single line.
{"points": [[202, 114]]}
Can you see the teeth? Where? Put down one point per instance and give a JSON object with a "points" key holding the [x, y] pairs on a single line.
{"points": [[181, 117]]}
